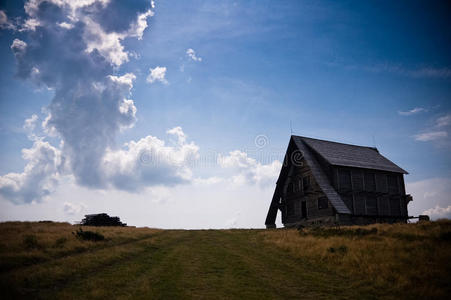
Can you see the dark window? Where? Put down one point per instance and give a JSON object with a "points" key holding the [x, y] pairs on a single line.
{"points": [[306, 182], [344, 179], [323, 203], [370, 183]]}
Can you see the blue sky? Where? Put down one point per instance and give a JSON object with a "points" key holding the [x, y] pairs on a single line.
{"points": [[374, 74]]}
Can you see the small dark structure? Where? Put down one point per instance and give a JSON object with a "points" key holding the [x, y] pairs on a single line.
{"points": [[323, 182], [101, 220]]}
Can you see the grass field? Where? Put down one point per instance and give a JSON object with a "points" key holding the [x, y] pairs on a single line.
{"points": [[46, 260]]}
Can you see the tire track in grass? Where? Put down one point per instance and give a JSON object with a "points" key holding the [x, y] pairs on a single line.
{"points": [[72, 253], [35, 279], [152, 271]]}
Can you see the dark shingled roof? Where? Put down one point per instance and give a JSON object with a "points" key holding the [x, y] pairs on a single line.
{"points": [[339, 154], [321, 178]]}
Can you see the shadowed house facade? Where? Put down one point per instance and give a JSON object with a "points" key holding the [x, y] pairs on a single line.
{"points": [[324, 182]]}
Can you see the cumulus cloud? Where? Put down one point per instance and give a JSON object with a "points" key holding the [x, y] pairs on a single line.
{"points": [[192, 54], [157, 74], [438, 212], [249, 170], [40, 175], [150, 162], [430, 196], [413, 111], [73, 48]]}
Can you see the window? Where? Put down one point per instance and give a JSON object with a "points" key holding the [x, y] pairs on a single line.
{"points": [[306, 182], [323, 203]]}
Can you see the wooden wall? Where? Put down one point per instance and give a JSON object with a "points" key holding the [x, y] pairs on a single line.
{"points": [[371, 192]]}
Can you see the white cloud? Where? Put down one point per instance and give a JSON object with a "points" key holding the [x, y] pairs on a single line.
{"points": [[438, 133], [18, 47], [40, 175], [66, 25], [137, 29], [431, 136], [444, 121], [250, 170], [429, 194], [4, 22], [30, 123], [107, 44], [192, 54], [413, 111], [149, 162], [157, 74], [438, 212], [72, 208]]}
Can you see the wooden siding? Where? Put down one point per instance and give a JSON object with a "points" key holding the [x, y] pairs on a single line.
{"points": [[371, 192], [297, 192]]}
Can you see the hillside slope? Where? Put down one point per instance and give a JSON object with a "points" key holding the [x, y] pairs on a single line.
{"points": [[45, 260]]}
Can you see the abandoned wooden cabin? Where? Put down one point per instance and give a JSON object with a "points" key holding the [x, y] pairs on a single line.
{"points": [[324, 182]]}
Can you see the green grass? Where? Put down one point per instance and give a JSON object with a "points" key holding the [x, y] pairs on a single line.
{"points": [[141, 263]]}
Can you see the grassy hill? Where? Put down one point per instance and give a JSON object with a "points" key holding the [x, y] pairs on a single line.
{"points": [[46, 260]]}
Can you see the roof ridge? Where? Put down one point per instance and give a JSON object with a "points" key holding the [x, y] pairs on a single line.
{"points": [[305, 137]]}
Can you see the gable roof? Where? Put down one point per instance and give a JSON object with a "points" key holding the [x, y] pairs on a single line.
{"points": [[321, 178], [339, 154]]}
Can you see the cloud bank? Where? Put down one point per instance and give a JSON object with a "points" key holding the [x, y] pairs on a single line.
{"points": [[75, 49]]}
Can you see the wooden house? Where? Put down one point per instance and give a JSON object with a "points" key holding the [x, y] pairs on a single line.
{"points": [[324, 182]]}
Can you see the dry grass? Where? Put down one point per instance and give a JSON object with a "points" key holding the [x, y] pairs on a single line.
{"points": [[28, 243], [406, 259], [46, 261]]}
